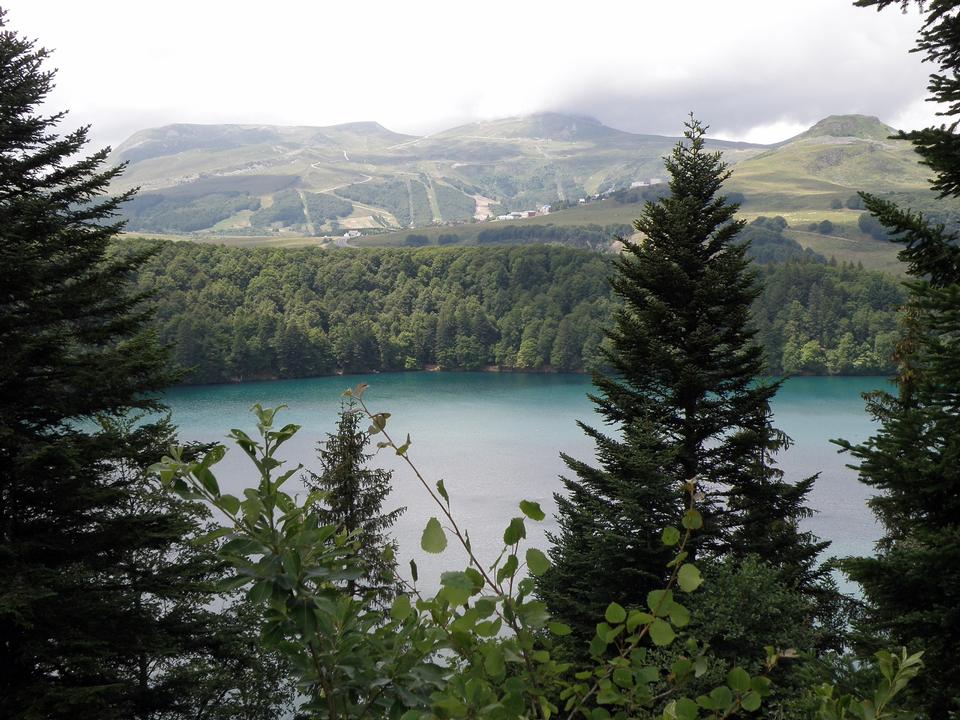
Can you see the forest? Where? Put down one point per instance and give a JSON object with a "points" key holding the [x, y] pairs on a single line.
{"points": [[232, 314]]}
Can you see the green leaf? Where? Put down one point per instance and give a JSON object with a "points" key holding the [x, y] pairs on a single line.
{"points": [[689, 577], [485, 606], [214, 456], [615, 614], [637, 618], [761, 685], [515, 532], [213, 535], [414, 575], [537, 562], [229, 503], [623, 677], [661, 632], [401, 608], [305, 619], [671, 536], [679, 615], [433, 540], [402, 450], [509, 568], [260, 591], [692, 520], [750, 702], [252, 509], [456, 587], [609, 696], [659, 601], [738, 680], [493, 661], [560, 629], [475, 577], [533, 613], [242, 546], [721, 697], [208, 481], [441, 488], [546, 709], [488, 628], [532, 510], [687, 709]]}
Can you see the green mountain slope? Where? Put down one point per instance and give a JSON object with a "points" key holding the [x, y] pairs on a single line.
{"points": [[291, 185], [836, 157], [213, 178]]}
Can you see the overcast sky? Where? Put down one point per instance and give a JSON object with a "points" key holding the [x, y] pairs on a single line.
{"points": [[759, 70]]}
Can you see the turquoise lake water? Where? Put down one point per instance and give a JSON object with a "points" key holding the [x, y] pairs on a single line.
{"points": [[495, 439]]}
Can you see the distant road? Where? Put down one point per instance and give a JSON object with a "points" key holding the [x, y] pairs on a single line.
{"points": [[366, 178], [408, 142]]}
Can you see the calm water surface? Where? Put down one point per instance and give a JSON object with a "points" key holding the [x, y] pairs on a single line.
{"points": [[495, 439]]}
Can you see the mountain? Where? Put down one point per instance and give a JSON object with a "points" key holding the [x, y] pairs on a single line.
{"points": [[179, 138], [861, 127], [835, 158], [263, 180], [539, 126], [277, 184]]}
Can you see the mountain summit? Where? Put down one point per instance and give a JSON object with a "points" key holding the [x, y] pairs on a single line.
{"points": [[539, 126], [862, 127]]}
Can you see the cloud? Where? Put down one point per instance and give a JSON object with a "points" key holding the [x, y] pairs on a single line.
{"points": [[747, 67]]}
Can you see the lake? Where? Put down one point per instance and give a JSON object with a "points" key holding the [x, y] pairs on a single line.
{"points": [[495, 439]]}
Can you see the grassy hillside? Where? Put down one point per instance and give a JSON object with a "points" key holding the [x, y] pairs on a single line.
{"points": [[393, 180], [822, 165], [241, 185]]}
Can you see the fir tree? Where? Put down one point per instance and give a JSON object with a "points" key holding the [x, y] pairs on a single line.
{"points": [[102, 604], [686, 397], [912, 584], [353, 496]]}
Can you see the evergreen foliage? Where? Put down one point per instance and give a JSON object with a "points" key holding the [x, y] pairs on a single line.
{"points": [[352, 500], [73, 347], [685, 394], [104, 601], [912, 584], [743, 600]]}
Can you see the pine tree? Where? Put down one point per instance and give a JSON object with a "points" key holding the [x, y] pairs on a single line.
{"points": [[912, 584], [685, 394], [353, 500], [102, 604]]}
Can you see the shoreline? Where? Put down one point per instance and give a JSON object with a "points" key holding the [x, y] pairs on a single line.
{"points": [[433, 368]]}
